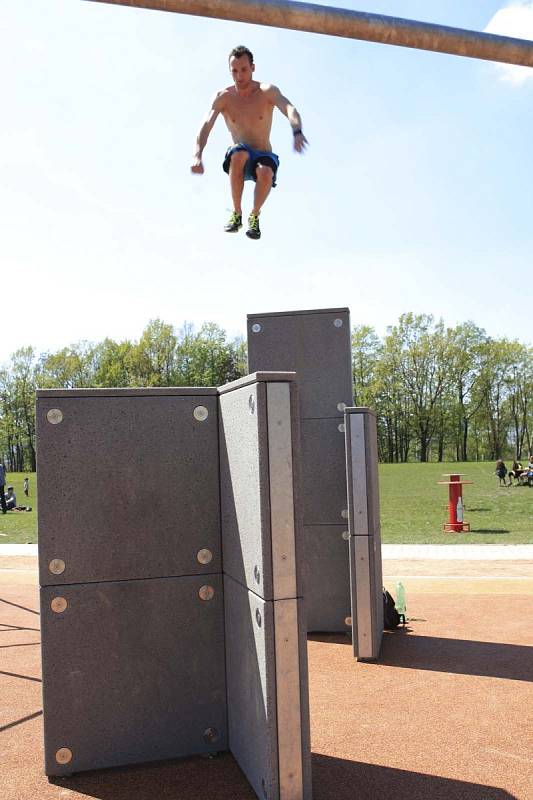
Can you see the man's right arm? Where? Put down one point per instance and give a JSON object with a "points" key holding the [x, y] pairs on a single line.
{"points": [[203, 134]]}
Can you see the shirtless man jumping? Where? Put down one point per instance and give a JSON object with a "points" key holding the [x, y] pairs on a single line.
{"points": [[247, 108]]}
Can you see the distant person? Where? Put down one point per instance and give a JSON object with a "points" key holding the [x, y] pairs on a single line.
{"points": [[247, 108], [11, 499], [529, 473], [515, 472], [2, 484], [27, 487], [501, 471]]}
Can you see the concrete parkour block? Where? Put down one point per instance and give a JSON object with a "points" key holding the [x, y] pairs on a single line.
{"points": [[266, 652], [125, 477], [317, 346], [365, 532], [144, 639]]}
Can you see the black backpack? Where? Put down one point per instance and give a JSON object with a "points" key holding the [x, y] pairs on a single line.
{"points": [[391, 618]]}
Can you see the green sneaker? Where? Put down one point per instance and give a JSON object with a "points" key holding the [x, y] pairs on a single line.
{"points": [[234, 224], [253, 231]]}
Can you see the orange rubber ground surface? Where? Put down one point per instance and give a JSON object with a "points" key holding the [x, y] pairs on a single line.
{"points": [[446, 714]]}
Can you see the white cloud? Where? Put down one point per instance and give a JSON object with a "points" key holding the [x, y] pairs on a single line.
{"points": [[514, 20]]}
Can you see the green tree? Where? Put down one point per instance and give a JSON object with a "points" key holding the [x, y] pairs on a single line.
{"points": [[420, 350], [71, 367], [152, 362], [112, 363], [464, 361]]}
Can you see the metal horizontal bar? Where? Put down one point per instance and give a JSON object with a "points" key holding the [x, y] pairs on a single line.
{"points": [[352, 25]]}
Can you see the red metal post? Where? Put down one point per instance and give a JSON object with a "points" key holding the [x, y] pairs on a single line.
{"points": [[456, 522]]}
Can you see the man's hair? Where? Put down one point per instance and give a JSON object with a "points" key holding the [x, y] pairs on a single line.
{"points": [[240, 51]]}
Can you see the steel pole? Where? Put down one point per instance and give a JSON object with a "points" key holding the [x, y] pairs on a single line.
{"points": [[351, 25]]}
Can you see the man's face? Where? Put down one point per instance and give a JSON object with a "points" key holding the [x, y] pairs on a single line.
{"points": [[241, 71]]}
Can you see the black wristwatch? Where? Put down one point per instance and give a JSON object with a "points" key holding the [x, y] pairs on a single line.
{"points": [[296, 131]]}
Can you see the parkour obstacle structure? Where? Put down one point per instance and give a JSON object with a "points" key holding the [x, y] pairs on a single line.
{"points": [[173, 566]]}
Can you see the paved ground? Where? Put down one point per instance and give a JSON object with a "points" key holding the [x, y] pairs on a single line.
{"points": [[446, 714]]}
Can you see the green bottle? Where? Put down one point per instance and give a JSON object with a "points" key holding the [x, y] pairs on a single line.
{"points": [[401, 605]]}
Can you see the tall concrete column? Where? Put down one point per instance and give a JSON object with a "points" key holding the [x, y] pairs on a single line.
{"points": [[317, 346]]}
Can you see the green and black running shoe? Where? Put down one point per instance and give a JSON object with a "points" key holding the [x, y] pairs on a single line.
{"points": [[234, 224], [253, 231]]}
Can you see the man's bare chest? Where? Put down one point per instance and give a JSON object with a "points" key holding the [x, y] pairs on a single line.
{"points": [[255, 109]]}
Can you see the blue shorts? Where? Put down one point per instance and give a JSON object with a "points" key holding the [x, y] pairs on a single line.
{"points": [[255, 157]]}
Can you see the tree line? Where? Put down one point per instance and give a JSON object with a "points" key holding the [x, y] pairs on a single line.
{"points": [[444, 394], [452, 394]]}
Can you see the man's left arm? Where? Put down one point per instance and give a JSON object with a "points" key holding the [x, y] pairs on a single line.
{"points": [[295, 120]]}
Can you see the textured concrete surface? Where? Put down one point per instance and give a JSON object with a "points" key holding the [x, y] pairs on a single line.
{"points": [[327, 593], [251, 686], [133, 671], [446, 714], [267, 685], [366, 579], [245, 498], [121, 479], [366, 586], [311, 344], [323, 472]]}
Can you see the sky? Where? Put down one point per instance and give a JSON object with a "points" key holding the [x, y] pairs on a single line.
{"points": [[415, 193]]}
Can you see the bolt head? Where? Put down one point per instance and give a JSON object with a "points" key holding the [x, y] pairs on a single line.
{"points": [[200, 413], [206, 592], [210, 735], [54, 416], [64, 755], [58, 604], [257, 327], [204, 556], [56, 566]]}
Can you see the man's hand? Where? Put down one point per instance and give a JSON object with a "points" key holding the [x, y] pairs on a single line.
{"points": [[300, 143], [197, 167]]}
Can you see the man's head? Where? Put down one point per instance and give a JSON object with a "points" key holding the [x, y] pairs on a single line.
{"points": [[241, 66]]}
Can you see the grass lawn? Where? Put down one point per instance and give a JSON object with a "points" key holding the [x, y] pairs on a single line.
{"points": [[413, 507], [19, 527]]}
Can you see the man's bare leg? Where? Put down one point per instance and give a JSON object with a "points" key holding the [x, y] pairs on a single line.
{"points": [[263, 185], [236, 176]]}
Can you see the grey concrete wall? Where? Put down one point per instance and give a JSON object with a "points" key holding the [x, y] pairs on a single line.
{"points": [[328, 569], [133, 671], [122, 479], [261, 534], [365, 532], [135, 638], [130, 567], [317, 345]]}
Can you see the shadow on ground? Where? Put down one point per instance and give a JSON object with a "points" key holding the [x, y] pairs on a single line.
{"points": [[333, 779], [338, 779], [459, 656], [489, 530]]}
